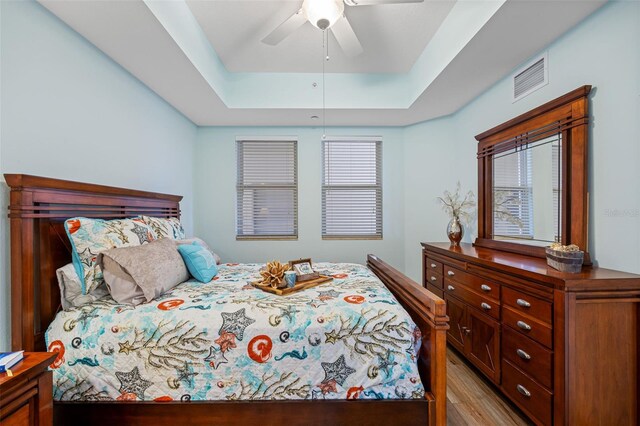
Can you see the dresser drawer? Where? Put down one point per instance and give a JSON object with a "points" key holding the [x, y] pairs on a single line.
{"points": [[431, 265], [528, 326], [434, 279], [528, 356], [488, 306], [20, 417], [435, 290], [474, 282], [532, 397], [537, 308]]}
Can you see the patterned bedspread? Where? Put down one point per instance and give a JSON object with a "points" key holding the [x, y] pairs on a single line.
{"points": [[345, 339]]}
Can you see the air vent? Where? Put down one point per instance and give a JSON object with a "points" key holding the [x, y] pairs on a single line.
{"points": [[532, 77]]}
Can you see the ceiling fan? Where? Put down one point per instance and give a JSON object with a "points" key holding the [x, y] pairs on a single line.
{"points": [[324, 15]]}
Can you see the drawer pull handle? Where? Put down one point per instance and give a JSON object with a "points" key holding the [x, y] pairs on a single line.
{"points": [[523, 325], [485, 287], [433, 265], [522, 354], [450, 288], [433, 278], [485, 306], [466, 330], [451, 273], [523, 303], [523, 391]]}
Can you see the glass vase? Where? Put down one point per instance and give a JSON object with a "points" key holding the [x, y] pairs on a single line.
{"points": [[455, 231]]}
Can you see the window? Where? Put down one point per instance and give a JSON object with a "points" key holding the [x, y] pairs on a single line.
{"points": [[513, 195], [267, 186], [352, 188]]}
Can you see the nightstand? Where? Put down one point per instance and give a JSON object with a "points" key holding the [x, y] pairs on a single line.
{"points": [[27, 397]]}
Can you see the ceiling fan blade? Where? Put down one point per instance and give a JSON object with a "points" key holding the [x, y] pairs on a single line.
{"points": [[374, 2], [347, 39], [285, 29]]}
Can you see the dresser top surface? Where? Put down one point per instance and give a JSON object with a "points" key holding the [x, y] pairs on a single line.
{"points": [[589, 278], [33, 363]]}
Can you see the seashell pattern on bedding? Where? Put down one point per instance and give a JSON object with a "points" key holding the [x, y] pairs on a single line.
{"points": [[226, 340]]}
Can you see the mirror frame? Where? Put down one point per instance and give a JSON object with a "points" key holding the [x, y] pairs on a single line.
{"points": [[569, 115]]}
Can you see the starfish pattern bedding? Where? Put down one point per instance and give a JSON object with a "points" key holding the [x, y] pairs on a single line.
{"points": [[226, 340]]}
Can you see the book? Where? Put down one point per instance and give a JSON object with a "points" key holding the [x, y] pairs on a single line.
{"points": [[9, 359]]}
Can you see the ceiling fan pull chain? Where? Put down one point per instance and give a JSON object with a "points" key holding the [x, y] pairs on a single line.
{"points": [[327, 58], [324, 109]]}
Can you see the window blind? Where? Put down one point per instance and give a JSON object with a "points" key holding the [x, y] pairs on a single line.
{"points": [[352, 188], [267, 189], [513, 195]]}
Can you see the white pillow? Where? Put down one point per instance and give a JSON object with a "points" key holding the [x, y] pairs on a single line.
{"points": [[71, 289]]}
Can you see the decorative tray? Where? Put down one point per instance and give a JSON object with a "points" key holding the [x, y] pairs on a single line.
{"points": [[301, 285]]}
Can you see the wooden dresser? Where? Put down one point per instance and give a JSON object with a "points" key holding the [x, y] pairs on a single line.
{"points": [[563, 347], [26, 398]]}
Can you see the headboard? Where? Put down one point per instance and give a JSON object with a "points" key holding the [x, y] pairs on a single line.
{"points": [[38, 207]]}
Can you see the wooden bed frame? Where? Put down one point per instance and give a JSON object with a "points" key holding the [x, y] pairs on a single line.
{"points": [[38, 208]]}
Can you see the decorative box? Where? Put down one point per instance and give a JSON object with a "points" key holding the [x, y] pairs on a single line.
{"points": [[565, 261]]}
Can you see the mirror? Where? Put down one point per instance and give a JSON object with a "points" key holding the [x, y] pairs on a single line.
{"points": [[527, 193], [533, 178]]}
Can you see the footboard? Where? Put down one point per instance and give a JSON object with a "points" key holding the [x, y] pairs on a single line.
{"points": [[430, 315]]}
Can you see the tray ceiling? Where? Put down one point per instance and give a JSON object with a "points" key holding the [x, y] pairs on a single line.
{"points": [[420, 61], [392, 35]]}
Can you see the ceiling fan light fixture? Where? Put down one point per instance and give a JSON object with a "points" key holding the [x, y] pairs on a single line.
{"points": [[323, 13]]}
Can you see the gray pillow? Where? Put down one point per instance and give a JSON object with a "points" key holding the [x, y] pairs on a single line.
{"points": [[121, 285], [139, 274]]}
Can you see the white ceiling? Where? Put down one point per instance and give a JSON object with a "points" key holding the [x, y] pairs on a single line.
{"points": [[392, 35], [221, 74]]}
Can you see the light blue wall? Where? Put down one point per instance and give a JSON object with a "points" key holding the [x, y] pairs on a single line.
{"points": [[215, 190], [602, 51], [70, 112], [431, 165]]}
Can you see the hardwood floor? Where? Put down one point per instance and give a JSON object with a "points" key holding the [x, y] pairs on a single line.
{"points": [[471, 400]]}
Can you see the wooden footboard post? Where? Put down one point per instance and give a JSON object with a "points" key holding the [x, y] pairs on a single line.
{"points": [[438, 369], [429, 312]]}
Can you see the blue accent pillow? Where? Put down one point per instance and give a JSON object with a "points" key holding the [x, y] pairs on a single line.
{"points": [[200, 262]]}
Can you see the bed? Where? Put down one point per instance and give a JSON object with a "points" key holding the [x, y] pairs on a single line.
{"points": [[396, 371]]}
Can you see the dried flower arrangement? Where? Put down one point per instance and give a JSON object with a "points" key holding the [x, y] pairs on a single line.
{"points": [[571, 248], [456, 206], [273, 274]]}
